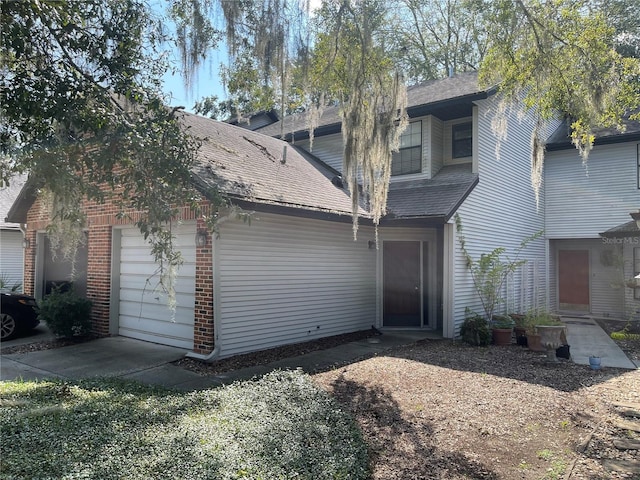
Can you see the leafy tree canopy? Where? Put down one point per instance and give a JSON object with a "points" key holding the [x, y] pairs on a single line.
{"points": [[81, 109]]}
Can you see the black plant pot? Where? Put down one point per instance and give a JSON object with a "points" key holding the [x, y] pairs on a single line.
{"points": [[563, 352], [521, 340]]}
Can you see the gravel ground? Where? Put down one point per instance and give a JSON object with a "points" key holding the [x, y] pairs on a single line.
{"points": [[443, 410]]}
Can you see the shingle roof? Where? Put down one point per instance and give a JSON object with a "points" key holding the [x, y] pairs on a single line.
{"points": [[255, 168], [422, 99], [561, 138], [8, 195], [261, 169], [628, 229], [437, 198]]}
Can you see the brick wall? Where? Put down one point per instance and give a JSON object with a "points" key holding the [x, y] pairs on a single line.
{"points": [[100, 221], [203, 327]]}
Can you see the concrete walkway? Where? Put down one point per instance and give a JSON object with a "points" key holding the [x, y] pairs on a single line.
{"points": [[586, 338], [152, 364]]}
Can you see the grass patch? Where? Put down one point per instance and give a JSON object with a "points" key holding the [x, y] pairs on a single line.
{"points": [[280, 426]]}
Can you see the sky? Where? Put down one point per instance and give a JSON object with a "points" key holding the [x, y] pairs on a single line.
{"points": [[207, 82]]}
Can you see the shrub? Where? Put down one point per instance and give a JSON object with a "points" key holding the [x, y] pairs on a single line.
{"points": [[65, 313], [475, 330]]}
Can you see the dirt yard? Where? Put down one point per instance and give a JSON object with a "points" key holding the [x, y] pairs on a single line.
{"points": [[443, 410]]}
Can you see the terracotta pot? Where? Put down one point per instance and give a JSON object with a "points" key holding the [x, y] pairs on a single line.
{"points": [[502, 336], [534, 342]]}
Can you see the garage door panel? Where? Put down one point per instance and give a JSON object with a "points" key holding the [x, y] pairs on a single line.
{"points": [[150, 271], [164, 339], [143, 305], [152, 289], [183, 300]]}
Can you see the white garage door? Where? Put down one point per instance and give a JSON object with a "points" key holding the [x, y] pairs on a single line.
{"points": [[143, 306]]}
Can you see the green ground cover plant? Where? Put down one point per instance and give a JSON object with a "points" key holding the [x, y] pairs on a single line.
{"points": [[280, 426]]}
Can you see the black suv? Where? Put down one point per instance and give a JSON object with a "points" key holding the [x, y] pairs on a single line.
{"points": [[17, 315]]}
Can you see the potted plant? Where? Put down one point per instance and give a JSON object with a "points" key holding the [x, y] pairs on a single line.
{"points": [[489, 273], [501, 329], [520, 328], [475, 330], [551, 331]]}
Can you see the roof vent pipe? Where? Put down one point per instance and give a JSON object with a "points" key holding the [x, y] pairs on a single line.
{"points": [[450, 71]]}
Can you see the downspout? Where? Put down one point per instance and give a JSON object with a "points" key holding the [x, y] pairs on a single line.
{"points": [[23, 230], [213, 355]]}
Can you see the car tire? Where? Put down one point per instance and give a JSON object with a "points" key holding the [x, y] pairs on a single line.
{"points": [[8, 327]]}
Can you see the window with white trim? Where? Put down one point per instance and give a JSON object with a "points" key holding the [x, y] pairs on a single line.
{"points": [[409, 158], [461, 140]]}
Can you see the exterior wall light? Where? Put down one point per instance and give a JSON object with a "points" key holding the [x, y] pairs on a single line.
{"points": [[201, 238]]}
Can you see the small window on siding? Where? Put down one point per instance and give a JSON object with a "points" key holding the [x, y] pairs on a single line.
{"points": [[461, 140], [409, 158]]}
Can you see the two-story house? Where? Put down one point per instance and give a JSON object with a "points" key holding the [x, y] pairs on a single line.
{"points": [[455, 157], [594, 243], [294, 273]]}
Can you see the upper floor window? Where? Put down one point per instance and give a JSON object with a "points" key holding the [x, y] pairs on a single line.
{"points": [[461, 140], [409, 158]]}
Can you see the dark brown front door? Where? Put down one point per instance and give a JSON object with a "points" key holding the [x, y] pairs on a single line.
{"points": [[401, 279], [573, 280]]}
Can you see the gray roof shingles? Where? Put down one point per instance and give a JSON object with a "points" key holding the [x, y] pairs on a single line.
{"points": [[437, 197], [8, 195], [430, 92], [258, 168], [261, 169], [561, 138]]}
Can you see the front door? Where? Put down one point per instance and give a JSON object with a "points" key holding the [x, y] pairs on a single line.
{"points": [[402, 288], [573, 280]]}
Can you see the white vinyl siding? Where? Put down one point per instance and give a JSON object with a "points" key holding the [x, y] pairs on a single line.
{"points": [[436, 153], [500, 212], [143, 310], [283, 280], [606, 280], [328, 148], [583, 201], [11, 258]]}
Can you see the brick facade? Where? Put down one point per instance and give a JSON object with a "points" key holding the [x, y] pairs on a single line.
{"points": [[101, 218]]}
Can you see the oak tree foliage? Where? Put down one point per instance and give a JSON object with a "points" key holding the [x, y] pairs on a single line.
{"points": [[82, 111]]}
